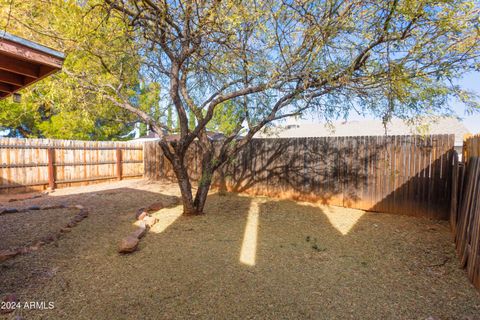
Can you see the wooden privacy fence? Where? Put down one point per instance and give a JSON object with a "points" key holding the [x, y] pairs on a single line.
{"points": [[393, 174], [465, 210], [39, 163]]}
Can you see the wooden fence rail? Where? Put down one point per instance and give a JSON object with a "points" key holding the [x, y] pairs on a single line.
{"points": [[32, 164], [393, 174]]}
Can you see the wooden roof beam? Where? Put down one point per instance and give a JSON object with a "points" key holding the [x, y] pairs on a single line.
{"points": [[18, 50], [7, 88], [45, 70], [23, 62], [10, 64], [11, 78]]}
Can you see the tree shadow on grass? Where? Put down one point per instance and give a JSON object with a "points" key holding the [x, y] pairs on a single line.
{"points": [[310, 261]]}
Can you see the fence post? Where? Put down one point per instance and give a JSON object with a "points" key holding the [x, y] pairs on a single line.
{"points": [[119, 164], [51, 169]]}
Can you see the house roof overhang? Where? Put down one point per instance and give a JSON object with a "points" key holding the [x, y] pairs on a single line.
{"points": [[23, 62]]}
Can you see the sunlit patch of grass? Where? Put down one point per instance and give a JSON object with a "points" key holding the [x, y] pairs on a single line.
{"points": [[342, 219], [249, 245], [166, 217]]}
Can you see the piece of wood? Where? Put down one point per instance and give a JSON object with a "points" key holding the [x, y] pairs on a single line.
{"points": [[12, 78], [8, 88], [51, 169], [119, 164], [454, 195], [8, 63], [16, 50]]}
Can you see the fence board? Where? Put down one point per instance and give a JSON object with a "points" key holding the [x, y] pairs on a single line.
{"points": [[471, 147]]}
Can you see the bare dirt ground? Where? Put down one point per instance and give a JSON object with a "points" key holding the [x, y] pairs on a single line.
{"points": [[247, 258]]}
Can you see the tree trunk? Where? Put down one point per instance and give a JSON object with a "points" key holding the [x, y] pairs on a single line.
{"points": [[187, 199], [194, 206], [222, 191], [205, 180], [185, 186], [201, 195]]}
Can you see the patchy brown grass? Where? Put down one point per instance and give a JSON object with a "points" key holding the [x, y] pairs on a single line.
{"points": [[26, 228], [310, 261]]}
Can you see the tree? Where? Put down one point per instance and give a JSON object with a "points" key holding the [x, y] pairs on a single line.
{"points": [[57, 107], [268, 60], [225, 118]]}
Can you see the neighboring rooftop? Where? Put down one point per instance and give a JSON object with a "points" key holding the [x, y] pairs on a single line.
{"points": [[439, 125], [23, 62]]}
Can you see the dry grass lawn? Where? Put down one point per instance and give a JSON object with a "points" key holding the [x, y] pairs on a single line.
{"points": [[247, 258]]}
